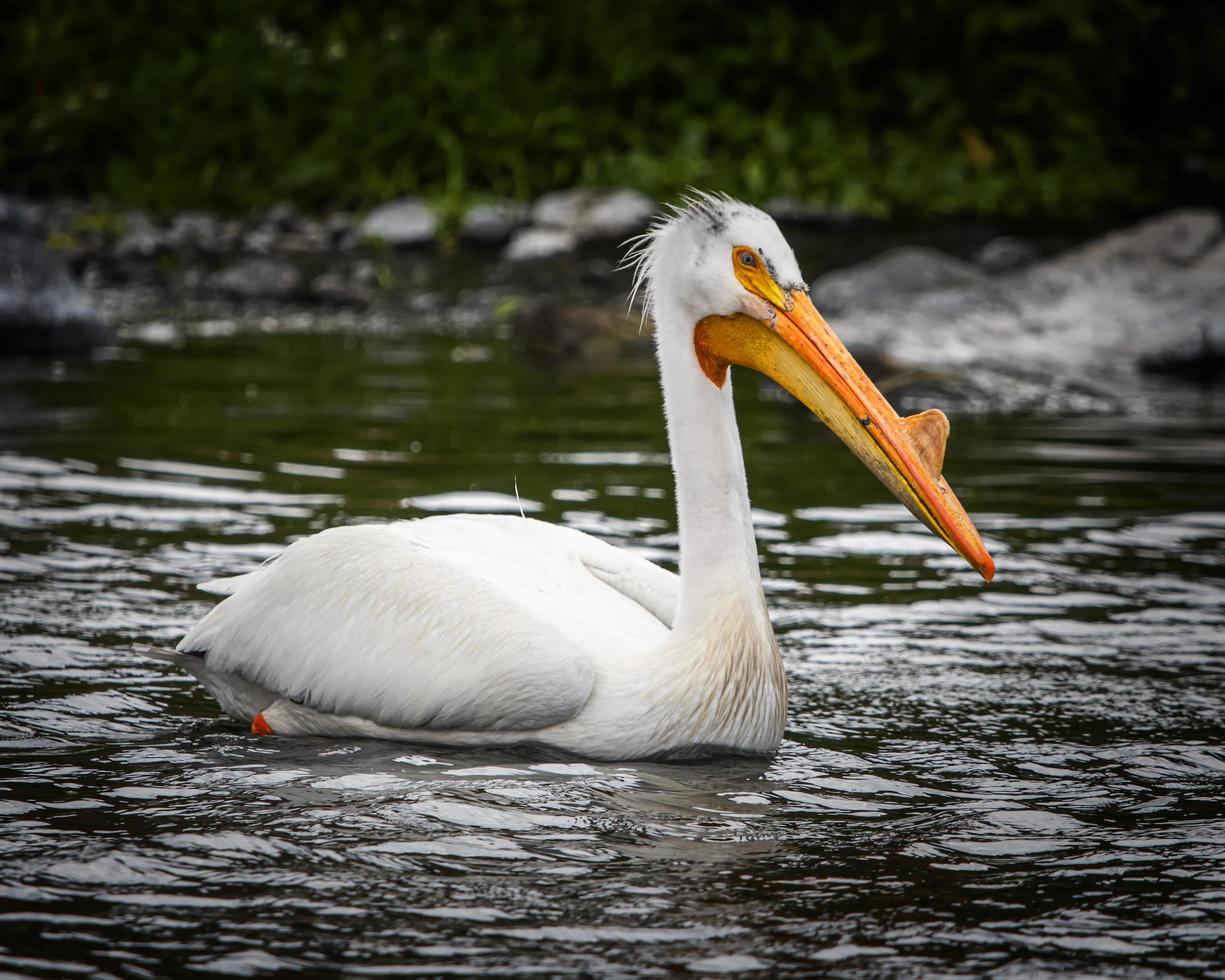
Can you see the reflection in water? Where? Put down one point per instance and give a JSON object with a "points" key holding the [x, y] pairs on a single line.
{"points": [[1017, 778]]}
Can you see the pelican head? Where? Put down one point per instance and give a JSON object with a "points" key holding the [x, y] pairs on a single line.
{"points": [[721, 273]]}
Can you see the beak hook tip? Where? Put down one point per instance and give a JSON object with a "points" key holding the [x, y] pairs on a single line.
{"points": [[987, 569]]}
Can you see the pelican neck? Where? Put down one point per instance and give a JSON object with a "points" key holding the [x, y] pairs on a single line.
{"points": [[718, 550]]}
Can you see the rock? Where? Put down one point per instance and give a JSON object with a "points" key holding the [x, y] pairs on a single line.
{"points": [[794, 211], [19, 215], [141, 238], [194, 229], [492, 224], [594, 213], [1004, 254], [230, 236], [336, 288], [365, 273], [260, 240], [548, 330], [1202, 363], [1176, 238], [407, 223], [560, 208], [259, 278], [1078, 324], [42, 311], [616, 214], [539, 243], [282, 217], [896, 273], [338, 223], [310, 237], [338, 229]]}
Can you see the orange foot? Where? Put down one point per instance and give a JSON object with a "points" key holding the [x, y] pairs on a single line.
{"points": [[259, 726]]}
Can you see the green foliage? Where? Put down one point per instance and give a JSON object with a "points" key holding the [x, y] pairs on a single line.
{"points": [[1041, 108]]}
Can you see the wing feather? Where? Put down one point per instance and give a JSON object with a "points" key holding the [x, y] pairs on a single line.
{"points": [[474, 623]]}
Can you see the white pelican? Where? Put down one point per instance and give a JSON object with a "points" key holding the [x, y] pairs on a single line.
{"points": [[495, 630]]}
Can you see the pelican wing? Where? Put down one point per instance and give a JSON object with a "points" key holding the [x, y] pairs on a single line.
{"points": [[475, 623]]}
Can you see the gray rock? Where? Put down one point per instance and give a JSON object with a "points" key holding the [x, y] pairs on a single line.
{"points": [[1005, 254], [230, 236], [338, 223], [42, 310], [282, 217], [539, 243], [194, 229], [1176, 238], [261, 240], [312, 236], [365, 273], [259, 278], [19, 215], [141, 238], [492, 224], [590, 213], [1202, 362], [341, 290], [896, 273], [616, 214], [560, 208], [795, 211], [1088, 319], [406, 223]]}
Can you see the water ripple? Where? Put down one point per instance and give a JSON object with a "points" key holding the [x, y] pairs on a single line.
{"points": [[1022, 779]]}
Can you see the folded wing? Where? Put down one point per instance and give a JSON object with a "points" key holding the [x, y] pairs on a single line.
{"points": [[476, 623]]}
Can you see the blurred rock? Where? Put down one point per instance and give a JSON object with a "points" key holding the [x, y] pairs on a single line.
{"points": [[314, 236], [794, 211], [20, 215], [616, 214], [338, 228], [539, 243], [340, 290], [260, 240], [1005, 254], [561, 208], [591, 214], [1131, 300], [282, 217], [194, 230], [259, 278], [1177, 238], [365, 273], [42, 310], [550, 330], [407, 223], [1202, 363], [898, 272], [492, 224], [140, 239]]}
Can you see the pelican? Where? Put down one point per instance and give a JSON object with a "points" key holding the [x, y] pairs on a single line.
{"points": [[488, 630]]}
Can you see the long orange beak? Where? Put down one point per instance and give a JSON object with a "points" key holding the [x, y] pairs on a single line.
{"points": [[801, 353]]}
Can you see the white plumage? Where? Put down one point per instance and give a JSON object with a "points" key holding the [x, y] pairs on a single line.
{"points": [[394, 623], [479, 630]]}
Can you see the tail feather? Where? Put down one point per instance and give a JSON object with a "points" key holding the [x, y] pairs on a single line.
{"points": [[239, 698], [166, 654]]}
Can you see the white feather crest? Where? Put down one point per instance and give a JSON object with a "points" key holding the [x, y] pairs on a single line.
{"points": [[641, 254]]}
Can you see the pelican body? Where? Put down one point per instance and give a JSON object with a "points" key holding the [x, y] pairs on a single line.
{"points": [[492, 630]]}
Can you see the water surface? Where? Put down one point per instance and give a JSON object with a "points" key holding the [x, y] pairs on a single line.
{"points": [[1012, 779]]}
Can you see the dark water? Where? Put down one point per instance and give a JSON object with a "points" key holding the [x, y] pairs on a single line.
{"points": [[1012, 779]]}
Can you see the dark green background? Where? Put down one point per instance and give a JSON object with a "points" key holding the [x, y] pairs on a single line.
{"points": [[1043, 108]]}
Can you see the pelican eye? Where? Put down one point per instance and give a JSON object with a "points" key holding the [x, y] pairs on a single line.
{"points": [[748, 258]]}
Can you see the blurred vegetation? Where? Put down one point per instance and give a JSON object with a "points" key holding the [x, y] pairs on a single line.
{"points": [[1038, 108]]}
